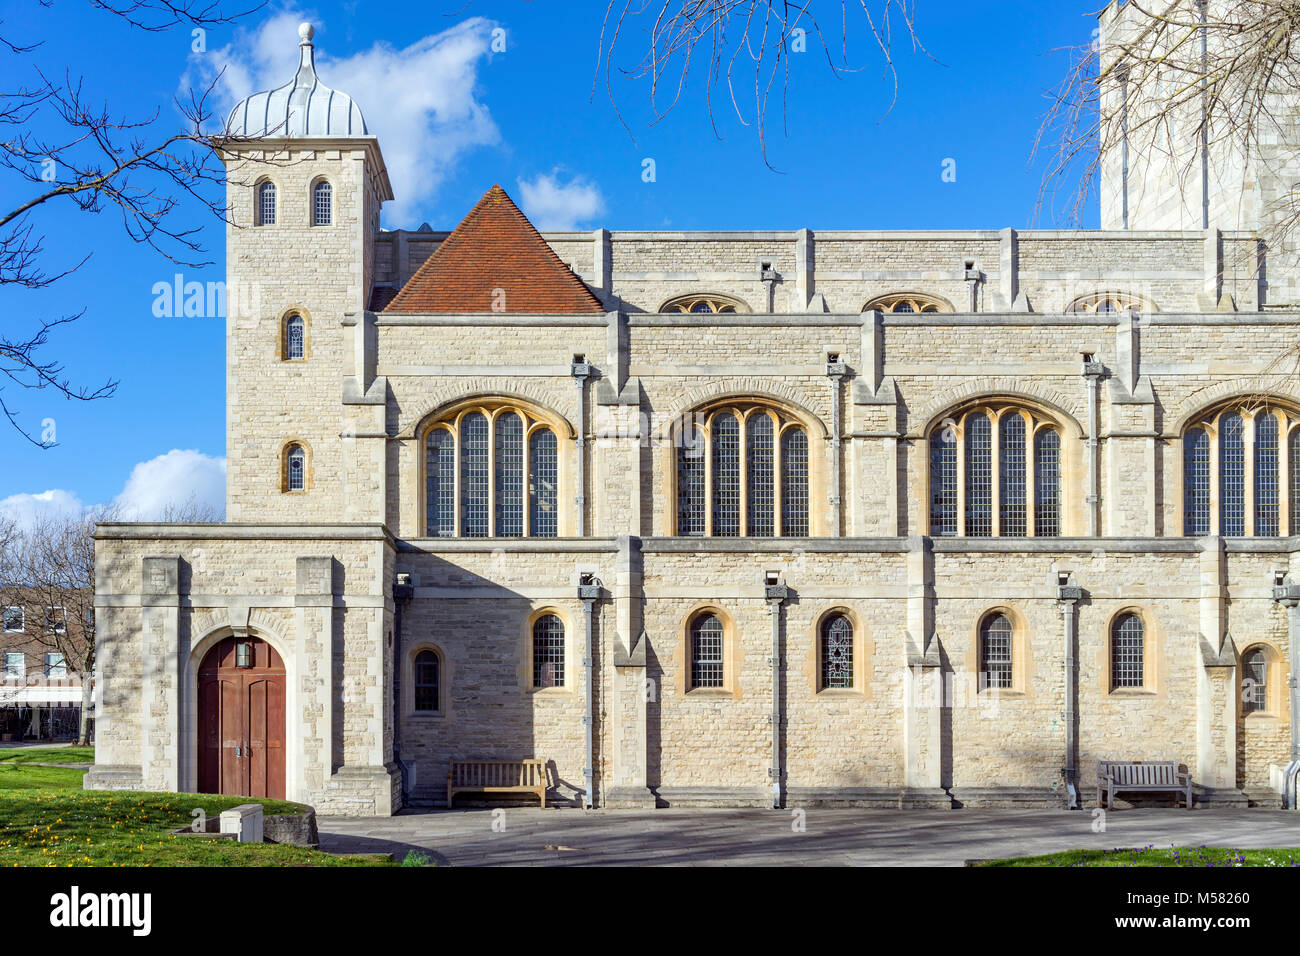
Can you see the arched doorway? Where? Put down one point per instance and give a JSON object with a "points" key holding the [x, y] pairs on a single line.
{"points": [[241, 719]]}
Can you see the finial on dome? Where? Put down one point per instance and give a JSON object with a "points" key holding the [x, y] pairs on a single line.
{"points": [[306, 31]]}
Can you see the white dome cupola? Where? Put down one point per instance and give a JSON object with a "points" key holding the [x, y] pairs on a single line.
{"points": [[303, 107]]}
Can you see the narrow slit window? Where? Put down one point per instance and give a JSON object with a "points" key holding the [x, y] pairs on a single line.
{"points": [[295, 338], [509, 477], [1011, 476], [794, 483], [760, 472], [543, 480], [706, 651], [1127, 652], [266, 204], [726, 475], [1254, 682], [296, 469], [943, 483], [474, 475], [440, 479], [979, 483], [1232, 477], [548, 651], [1196, 483], [1047, 483], [995, 652], [427, 690], [1266, 475], [690, 483], [322, 204]]}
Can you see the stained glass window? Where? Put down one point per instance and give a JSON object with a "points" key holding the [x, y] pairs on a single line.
{"points": [[294, 338], [837, 652], [297, 477]]}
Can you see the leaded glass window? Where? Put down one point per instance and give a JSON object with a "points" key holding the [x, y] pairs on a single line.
{"points": [[1047, 483], [294, 338], [474, 475], [1293, 477], [1011, 476], [794, 483], [1266, 475], [508, 462], [837, 652], [548, 651], [1232, 476], [440, 484], [322, 204], [995, 652], [1127, 652], [760, 475], [296, 478], [726, 475], [691, 498], [1254, 682], [979, 481], [1196, 482], [543, 479], [266, 204], [706, 651], [427, 691], [943, 482]]}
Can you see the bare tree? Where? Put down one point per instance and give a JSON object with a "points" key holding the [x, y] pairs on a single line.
{"points": [[50, 572], [745, 46], [61, 145], [1198, 88]]}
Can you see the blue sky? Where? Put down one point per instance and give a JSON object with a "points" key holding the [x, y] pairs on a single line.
{"points": [[453, 117]]}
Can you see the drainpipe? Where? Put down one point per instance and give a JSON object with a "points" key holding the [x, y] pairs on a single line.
{"points": [[589, 594], [1093, 371], [402, 594], [836, 370], [1288, 595], [1068, 596], [775, 592], [581, 371]]}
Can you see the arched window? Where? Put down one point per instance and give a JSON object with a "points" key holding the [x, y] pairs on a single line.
{"points": [[706, 651], [979, 481], [265, 203], [1127, 652], [908, 302], [1047, 483], [995, 652], [1258, 476], [295, 338], [440, 483], [725, 493], [491, 471], [980, 487], [837, 652], [322, 203], [1254, 681], [428, 695], [1196, 482], [548, 651], [296, 469], [1110, 302], [704, 304]]}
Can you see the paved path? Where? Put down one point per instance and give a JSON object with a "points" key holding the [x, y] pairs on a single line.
{"points": [[568, 837]]}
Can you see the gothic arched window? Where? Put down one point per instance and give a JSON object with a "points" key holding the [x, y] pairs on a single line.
{"points": [[1248, 456]]}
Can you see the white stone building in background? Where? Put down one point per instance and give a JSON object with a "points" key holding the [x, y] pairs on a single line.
{"points": [[714, 518]]}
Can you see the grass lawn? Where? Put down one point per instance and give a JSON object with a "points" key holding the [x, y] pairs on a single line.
{"points": [[46, 819], [47, 755], [1199, 856]]}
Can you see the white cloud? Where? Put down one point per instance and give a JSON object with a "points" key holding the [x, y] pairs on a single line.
{"points": [[173, 480], [26, 510], [177, 479], [551, 204], [421, 101]]}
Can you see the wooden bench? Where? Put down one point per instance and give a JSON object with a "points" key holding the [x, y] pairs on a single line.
{"points": [[497, 776], [1114, 776]]}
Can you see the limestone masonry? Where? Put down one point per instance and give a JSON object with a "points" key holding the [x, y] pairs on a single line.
{"points": [[815, 517]]}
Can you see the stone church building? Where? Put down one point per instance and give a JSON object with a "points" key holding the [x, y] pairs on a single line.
{"points": [[822, 517]]}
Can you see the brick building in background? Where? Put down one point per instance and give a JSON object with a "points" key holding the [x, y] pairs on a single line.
{"points": [[40, 690], [714, 518]]}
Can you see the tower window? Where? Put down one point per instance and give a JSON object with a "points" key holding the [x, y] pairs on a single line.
{"points": [[266, 204], [322, 204]]}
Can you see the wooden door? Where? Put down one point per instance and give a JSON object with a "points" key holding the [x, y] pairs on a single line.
{"points": [[241, 720]]}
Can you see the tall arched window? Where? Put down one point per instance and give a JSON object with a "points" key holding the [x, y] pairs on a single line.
{"points": [[428, 692], [983, 487], [742, 470], [491, 471], [265, 203], [440, 483], [322, 203], [979, 480], [1047, 483], [706, 651], [295, 338], [296, 469], [1127, 652], [1011, 474], [548, 651], [1257, 454], [996, 634], [1196, 482], [1254, 681], [837, 652]]}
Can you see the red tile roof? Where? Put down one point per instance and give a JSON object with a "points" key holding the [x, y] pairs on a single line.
{"points": [[495, 261]]}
